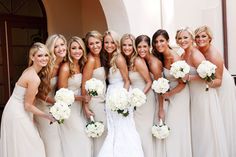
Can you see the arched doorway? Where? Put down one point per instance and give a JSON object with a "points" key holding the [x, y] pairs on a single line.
{"points": [[21, 23]]}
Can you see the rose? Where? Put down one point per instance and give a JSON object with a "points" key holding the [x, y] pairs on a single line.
{"points": [[118, 101], [94, 128], [137, 98], [161, 130], [161, 85], [60, 111], [206, 70], [65, 95], [94, 87], [179, 69]]}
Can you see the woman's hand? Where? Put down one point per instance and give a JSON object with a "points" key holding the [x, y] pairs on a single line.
{"points": [[87, 112], [86, 98], [166, 96]]}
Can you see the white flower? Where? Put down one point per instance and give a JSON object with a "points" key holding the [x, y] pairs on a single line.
{"points": [[160, 131], [60, 111], [161, 85], [65, 95], [137, 98], [94, 87], [207, 70], [94, 128], [118, 101], [179, 69]]}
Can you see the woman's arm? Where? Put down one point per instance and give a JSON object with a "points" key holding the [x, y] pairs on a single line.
{"points": [[30, 95], [122, 66], [87, 74], [142, 69]]}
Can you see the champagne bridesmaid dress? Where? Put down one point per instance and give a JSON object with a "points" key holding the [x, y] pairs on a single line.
{"points": [[97, 105], [19, 136], [227, 97], [50, 134], [208, 133], [177, 117], [75, 142], [144, 115]]}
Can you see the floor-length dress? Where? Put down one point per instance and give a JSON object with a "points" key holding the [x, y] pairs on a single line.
{"points": [[208, 134], [50, 133], [97, 105], [122, 138], [75, 142], [227, 97], [177, 111], [144, 115], [19, 136]]}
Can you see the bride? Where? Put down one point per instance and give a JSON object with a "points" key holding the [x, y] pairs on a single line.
{"points": [[122, 139]]}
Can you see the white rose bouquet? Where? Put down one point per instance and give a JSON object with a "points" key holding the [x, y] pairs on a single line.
{"points": [[161, 86], [207, 70], [137, 98], [118, 102], [161, 130], [94, 87], [94, 128], [179, 69], [60, 111], [65, 95]]}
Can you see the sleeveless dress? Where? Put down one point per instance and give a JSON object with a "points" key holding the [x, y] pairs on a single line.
{"points": [[122, 139], [97, 105], [177, 111], [227, 97], [19, 136], [208, 134], [144, 115], [50, 134], [75, 142]]}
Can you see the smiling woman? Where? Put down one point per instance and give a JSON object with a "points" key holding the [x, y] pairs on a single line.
{"points": [[19, 136]]}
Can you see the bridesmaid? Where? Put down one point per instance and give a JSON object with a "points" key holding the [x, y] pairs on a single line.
{"points": [[208, 135], [140, 78], [224, 82], [74, 139], [19, 136], [93, 69], [51, 133], [143, 45], [177, 111]]}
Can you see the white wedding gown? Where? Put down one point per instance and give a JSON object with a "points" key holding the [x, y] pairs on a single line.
{"points": [[122, 139]]}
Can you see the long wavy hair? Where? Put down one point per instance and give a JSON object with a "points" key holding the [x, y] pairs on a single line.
{"points": [[82, 60], [155, 52], [44, 87], [97, 35], [115, 54], [129, 60], [50, 43]]}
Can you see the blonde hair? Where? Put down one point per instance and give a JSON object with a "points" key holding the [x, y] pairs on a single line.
{"points": [[44, 87], [186, 29], [116, 53], [204, 29], [82, 60], [94, 34], [130, 61], [50, 43]]}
